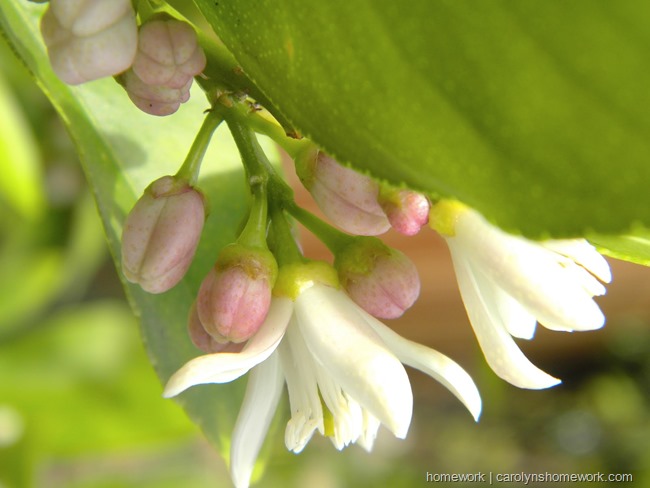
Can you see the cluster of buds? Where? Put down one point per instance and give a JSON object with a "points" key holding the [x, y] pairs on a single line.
{"points": [[357, 203], [88, 40], [168, 58]]}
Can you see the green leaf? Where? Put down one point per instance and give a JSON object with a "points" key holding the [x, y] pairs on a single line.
{"points": [[533, 112], [634, 247], [122, 151]]}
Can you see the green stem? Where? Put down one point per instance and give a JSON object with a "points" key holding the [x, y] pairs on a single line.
{"points": [[254, 234], [334, 239], [282, 242], [262, 125], [192, 164], [251, 117], [255, 161], [260, 172], [257, 170]]}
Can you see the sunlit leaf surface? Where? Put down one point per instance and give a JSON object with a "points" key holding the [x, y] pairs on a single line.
{"points": [[533, 112]]}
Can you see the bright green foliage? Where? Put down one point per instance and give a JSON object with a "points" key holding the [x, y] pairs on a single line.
{"points": [[533, 112]]}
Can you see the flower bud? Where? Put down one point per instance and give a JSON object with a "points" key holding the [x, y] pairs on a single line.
{"points": [[407, 211], [87, 40], [348, 198], [168, 53], [161, 234], [381, 280], [235, 296], [157, 100], [168, 58], [204, 341]]}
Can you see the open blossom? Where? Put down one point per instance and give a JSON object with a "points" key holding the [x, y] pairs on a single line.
{"points": [[339, 364], [161, 234], [88, 40], [509, 283], [168, 58]]}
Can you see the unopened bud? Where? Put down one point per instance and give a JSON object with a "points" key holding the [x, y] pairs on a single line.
{"points": [[348, 198], [87, 40], [168, 58], [157, 100], [407, 211], [168, 53], [161, 234], [204, 341], [381, 280], [234, 298]]}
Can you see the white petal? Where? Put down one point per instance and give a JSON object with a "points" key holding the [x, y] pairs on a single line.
{"points": [[501, 352], [263, 392], [300, 373], [224, 367], [342, 342], [529, 272], [433, 363], [580, 275], [370, 428], [517, 320], [347, 418], [583, 253]]}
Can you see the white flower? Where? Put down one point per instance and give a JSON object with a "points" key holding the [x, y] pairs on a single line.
{"points": [[509, 283], [343, 373]]}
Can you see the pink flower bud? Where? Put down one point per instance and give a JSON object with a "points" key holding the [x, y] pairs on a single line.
{"points": [[168, 58], [348, 198], [235, 296], [168, 53], [407, 211], [87, 40], [204, 341], [157, 100], [381, 280], [161, 234]]}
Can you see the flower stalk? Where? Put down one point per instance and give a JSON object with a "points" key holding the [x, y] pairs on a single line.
{"points": [[191, 167]]}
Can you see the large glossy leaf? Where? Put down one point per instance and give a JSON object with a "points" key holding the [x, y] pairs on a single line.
{"points": [[123, 150], [534, 112]]}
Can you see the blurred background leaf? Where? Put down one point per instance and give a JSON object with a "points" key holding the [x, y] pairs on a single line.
{"points": [[21, 181]]}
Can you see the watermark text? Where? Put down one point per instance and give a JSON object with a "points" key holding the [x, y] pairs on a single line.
{"points": [[490, 477]]}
